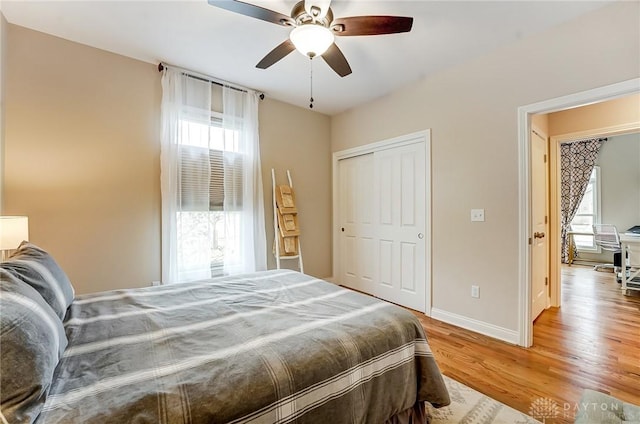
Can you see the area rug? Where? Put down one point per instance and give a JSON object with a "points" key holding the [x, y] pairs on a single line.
{"points": [[471, 407]]}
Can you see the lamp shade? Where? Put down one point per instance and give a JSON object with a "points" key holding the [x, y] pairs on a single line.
{"points": [[13, 230], [311, 39]]}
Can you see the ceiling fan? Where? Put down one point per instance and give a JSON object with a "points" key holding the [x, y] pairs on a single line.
{"points": [[314, 29]]}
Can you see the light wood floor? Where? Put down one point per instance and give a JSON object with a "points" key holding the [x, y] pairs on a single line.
{"points": [[592, 341]]}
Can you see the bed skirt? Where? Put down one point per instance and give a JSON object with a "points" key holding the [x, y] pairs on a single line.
{"points": [[417, 414]]}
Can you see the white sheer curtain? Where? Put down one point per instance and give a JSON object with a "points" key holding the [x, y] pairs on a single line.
{"points": [[212, 210], [240, 119]]}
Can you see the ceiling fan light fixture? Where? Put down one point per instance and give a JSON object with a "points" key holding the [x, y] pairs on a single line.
{"points": [[311, 39]]}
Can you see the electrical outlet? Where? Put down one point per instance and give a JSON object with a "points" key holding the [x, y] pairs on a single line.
{"points": [[477, 215], [475, 291]]}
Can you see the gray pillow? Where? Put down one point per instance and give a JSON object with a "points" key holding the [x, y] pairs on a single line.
{"points": [[32, 339], [37, 268]]}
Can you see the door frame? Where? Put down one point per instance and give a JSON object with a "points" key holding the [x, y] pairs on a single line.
{"points": [[596, 95], [417, 137]]}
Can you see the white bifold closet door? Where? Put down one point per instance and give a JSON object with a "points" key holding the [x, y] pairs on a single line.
{"points": [[382, 218]]}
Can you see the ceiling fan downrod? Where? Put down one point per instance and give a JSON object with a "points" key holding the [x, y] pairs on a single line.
{"points": [[311, 82]]}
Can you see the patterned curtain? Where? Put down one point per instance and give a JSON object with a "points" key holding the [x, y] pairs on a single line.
{"points": [[577, 159]]}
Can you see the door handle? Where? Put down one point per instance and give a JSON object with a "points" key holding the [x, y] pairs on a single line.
{"points": [[538, 235], [420, 236]]}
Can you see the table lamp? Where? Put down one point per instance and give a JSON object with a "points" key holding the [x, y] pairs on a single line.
{"points": [[13, 230]]}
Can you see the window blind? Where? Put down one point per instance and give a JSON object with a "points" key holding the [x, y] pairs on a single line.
{"points": [[202, 179]]}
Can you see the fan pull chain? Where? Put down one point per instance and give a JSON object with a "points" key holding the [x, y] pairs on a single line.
{"points": [[311, 84]]}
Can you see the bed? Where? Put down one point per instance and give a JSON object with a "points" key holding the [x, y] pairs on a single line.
{"points": [[270, 347]]}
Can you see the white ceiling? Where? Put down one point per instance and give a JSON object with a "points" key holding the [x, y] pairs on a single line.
{"points": [[194, 35]]}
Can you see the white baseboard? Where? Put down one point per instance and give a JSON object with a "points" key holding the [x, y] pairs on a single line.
{"points": [[500, 333]]}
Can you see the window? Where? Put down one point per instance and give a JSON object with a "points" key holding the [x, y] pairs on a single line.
{"points": [[588, 213], [209, 159], [210, 180]]}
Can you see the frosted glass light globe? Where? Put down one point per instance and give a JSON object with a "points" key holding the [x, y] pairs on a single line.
{"points": [[311, 39]]}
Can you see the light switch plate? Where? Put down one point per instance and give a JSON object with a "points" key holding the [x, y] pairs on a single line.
{"points": [[477, 215], [475, 291]]}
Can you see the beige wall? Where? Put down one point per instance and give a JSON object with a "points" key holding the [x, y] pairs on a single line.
{"points": [[613, 113], [299, 140], [472, 111], [3, 65], [541, 122], [82, 160]]}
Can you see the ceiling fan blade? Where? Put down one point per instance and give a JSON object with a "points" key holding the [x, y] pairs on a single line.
{"points": [[336, 60], [371, 25], [276, 54], [253, 11]]}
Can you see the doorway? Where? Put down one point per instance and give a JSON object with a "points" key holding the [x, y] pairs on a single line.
{"points": [[611, 178], [525, 113]]}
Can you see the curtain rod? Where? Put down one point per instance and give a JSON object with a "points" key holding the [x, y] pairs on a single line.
{"points": [[577, 140], [207, 78]]}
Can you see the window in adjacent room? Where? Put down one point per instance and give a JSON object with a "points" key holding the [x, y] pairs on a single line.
{"points": [[588, 213]]}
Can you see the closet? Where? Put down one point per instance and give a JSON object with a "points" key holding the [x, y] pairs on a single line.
{"points": [[381, 210]]}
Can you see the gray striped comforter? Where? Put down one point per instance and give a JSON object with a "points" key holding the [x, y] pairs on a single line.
{"points": [[271, 347]]}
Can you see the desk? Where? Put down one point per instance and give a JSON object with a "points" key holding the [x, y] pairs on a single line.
{"points": [[572, 244], [631, 245]]}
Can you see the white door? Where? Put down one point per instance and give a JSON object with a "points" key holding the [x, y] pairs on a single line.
{"points": [[357, 231], [382, 224], [539, 220], [399, 199]]}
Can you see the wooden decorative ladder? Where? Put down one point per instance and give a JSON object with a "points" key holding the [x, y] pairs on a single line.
{"points": [[286, 230]]}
